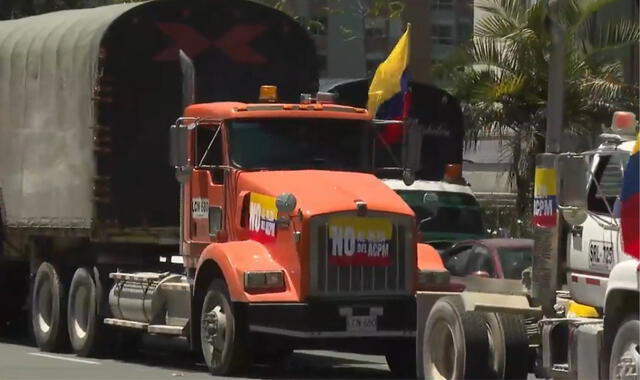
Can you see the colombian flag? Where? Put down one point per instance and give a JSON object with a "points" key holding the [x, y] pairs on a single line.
{"points": [[630, 212], [389, 96]]}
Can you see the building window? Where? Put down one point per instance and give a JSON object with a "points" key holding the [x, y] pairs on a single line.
{"points": [[442, 5], [442, 34], [376, 28]]}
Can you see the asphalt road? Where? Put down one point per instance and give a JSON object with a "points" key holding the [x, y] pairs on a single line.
{"points": [[161, 358]]}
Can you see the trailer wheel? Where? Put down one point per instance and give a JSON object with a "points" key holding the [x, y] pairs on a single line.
{"points": [[517, 354], [625, 352], [48, 309], [223, 332], [85, 329], [455, 343]]}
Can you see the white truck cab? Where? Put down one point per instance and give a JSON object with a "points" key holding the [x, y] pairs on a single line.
{"points": [[447, 211], [594, 331], [594, 246]]}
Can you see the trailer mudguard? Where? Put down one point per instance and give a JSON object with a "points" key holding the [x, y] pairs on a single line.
{"points": [[233, 259]]}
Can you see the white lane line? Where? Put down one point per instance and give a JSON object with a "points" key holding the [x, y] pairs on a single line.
{"points": [[63, 358]]}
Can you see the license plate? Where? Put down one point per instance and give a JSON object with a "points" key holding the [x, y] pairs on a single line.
{"points": [[600, 255], [367, 323]]}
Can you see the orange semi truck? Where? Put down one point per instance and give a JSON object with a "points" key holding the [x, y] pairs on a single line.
{"points": [[274, 232]]}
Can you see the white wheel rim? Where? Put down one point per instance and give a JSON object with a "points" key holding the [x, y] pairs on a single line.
{"points": [[81, 302], [45, 305], [628, 365], [214, 330], [443, 354]]}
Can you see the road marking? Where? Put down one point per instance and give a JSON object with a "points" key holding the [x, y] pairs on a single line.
{"points": [[63, 358]]}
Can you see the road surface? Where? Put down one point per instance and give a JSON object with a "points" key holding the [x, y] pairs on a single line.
{"points": [[161, 358]]}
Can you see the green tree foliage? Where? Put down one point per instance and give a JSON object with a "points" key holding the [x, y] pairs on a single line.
{"points": [[501, 77]]}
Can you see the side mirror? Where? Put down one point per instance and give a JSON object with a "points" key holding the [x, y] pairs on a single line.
{"points": [[178, 140], [573, 181], [411, 149]]}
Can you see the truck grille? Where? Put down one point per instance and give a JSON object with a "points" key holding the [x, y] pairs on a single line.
{"points": [[392, 278]]}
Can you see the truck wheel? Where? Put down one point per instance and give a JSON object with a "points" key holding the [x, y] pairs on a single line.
{"points": [[223, 332], [625, 352], [516, 341], [85, 329], [48, 305], [400, 361], [455, 343]]}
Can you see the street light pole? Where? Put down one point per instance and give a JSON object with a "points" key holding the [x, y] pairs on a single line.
{"points": [[555, 94], [546, 276]]}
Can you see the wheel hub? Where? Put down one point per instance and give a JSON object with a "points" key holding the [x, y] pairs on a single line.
{"points": [[215, 327], [629, 363]]}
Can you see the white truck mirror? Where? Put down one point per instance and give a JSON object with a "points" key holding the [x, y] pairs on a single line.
{"points": [[573, 177]]}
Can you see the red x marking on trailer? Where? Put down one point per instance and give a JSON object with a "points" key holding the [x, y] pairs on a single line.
{"points": [[235, 43]]}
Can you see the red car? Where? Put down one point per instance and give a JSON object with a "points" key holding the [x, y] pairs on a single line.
{"points": [[492, 258]]}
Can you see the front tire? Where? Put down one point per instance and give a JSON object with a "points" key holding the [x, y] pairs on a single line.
{"points": [[223, 332], [85, 329], [48, 309], [625, 355]]}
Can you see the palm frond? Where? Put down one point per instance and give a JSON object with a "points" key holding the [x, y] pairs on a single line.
{"points": [[614, 35], [494, 26]]}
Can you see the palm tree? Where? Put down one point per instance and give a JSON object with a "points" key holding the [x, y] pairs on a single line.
{"points": [[501, 77]]}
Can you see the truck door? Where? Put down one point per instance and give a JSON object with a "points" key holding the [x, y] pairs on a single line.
{"points": [[207, 186], [591, 245]]}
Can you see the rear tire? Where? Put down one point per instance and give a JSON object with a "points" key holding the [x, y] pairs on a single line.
{"points": [[85, 329], [518, 356], [48, 307], [223, 332], [455, 343]]}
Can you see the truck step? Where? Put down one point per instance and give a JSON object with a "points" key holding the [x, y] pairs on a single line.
{"points": [[166, 329], [140, 277], [126, 323], [153, 329]]}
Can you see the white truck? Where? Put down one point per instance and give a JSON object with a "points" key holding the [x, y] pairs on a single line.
{"points": [[580, 271], [583, 289]]}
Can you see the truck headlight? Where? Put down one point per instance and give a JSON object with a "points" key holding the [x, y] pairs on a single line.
{"points": [[264, 281]]}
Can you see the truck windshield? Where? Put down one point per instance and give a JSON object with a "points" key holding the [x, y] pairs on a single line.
{"points": [[313, 143], [455, 216]]}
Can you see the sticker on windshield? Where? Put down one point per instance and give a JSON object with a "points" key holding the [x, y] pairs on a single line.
{"points": [[262, 218], [544, 198], [359, 241]]}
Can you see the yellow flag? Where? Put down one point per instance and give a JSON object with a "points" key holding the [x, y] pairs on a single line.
{"points": [[387, 79]]}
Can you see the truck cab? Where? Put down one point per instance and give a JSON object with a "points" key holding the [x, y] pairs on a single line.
{"points": [[592, 327], [594, 246], [447, 211], [287, 234]]}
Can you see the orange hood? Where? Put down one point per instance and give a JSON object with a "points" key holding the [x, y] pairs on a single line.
{"points": [[321, 192]]}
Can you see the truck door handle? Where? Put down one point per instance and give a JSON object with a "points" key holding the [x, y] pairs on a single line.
{"points": [[576, 231]]}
